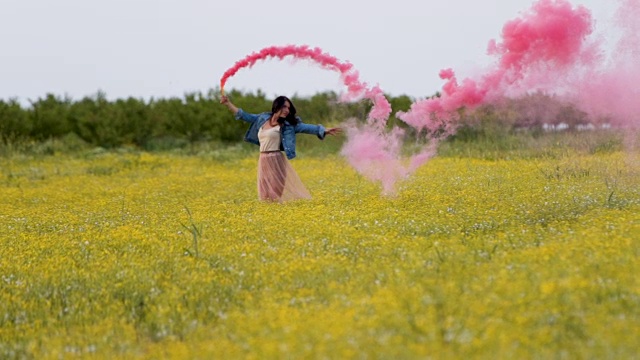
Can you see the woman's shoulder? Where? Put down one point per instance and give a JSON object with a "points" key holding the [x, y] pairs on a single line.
{"points": [[263, 114]]}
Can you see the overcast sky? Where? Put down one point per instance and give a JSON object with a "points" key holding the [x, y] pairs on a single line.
{"points": [[166, 48]]}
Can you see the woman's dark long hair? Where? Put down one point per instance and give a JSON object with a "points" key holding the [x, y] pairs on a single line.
{"points": [[278, 103]]}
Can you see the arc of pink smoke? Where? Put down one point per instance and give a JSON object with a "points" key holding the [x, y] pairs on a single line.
{"points": [[350, 77]]}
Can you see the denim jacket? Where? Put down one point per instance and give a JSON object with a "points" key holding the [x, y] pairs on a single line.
{"points": [[288, 142]]}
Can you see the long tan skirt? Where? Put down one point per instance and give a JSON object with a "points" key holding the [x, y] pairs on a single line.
{"points": [[277, 181]]}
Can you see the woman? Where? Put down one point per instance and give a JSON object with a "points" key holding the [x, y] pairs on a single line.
{"points": [[275, 132]]}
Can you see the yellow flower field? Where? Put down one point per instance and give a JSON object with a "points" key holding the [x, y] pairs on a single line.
{"points": [[137, 255]]}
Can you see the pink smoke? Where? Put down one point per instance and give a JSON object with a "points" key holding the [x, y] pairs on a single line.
{"points": [[549, 38], [610, 89], [350, 77], [551, 33], [549, 48]]}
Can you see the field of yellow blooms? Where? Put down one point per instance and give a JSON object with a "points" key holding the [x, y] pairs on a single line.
{"points": [[137, 255]]}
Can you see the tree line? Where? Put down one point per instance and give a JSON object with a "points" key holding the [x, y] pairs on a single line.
{"points": [[145, 123], [196, 117]]}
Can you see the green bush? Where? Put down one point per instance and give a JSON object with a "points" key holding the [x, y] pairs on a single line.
{"points": [[48, 117], [13, 122]]}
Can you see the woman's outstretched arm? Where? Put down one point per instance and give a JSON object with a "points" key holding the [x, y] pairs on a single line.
{"points": [[318, 130]]}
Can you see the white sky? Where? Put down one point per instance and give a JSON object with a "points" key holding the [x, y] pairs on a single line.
{"points": [[165, 48]]}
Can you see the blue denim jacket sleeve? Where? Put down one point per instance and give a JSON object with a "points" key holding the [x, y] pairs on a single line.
{"points": [[317, 130], [245, 116]]}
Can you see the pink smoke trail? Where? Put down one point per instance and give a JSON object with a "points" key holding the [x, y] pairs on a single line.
{"points": [[350, 77]]}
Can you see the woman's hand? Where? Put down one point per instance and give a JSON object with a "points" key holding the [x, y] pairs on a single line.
{"points": [[224, 100], [333, 131]]}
